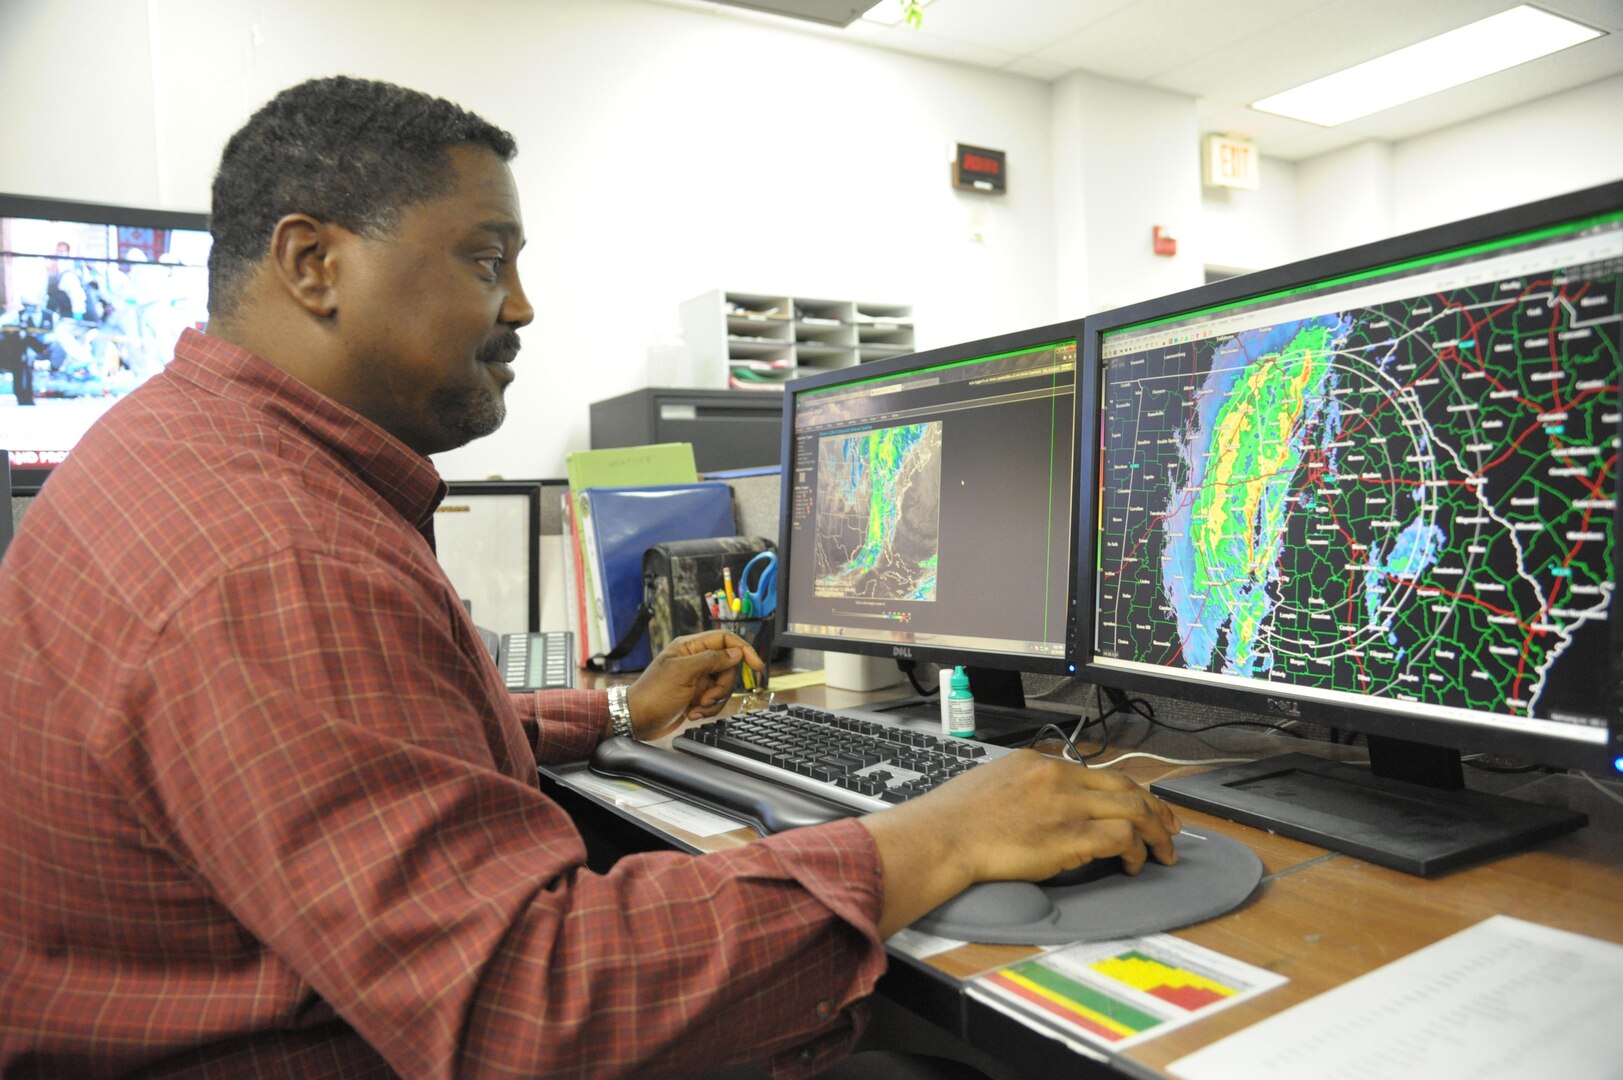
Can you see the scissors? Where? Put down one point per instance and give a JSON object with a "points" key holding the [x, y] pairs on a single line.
{"points": [[763, 598]]}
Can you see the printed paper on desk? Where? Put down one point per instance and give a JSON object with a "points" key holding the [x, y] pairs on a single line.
{"points": [[619, 792], [919, 945], [1117, 993], [1503, 998], [691, 819]]}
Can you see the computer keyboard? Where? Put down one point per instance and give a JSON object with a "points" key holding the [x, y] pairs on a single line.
{"points": [[852, 761], [769, 807], [792, 766]]}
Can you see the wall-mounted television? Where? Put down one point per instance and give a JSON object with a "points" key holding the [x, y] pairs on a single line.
{"points": [[92, 300]]}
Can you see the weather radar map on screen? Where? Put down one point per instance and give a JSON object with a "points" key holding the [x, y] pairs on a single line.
{"points": [[1400, 483]]}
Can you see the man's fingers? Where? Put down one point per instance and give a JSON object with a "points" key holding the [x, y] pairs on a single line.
{"points": [[1105, 838], [1136, 809], [717, 641]]}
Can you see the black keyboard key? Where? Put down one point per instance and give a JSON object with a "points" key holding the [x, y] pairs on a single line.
{"points": [[753, 751]]}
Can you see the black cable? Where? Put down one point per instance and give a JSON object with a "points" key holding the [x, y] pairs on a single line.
{"points": [[1104, 743], [1121, 703], [1140, 707], [910, 669], [1282, 729], [1059, 733], [1510, 770]]}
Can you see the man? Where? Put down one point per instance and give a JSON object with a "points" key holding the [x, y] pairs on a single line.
{"points": [[65, 293], [265, 807], [22, 339]]}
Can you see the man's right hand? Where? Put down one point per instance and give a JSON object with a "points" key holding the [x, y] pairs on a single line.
{"points": [[1021, 817]]}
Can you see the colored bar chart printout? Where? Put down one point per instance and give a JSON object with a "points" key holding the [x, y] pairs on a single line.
{"points": [[1117, 993]]}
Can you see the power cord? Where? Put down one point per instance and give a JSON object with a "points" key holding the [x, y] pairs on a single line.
{"points": [[910, 669], [1175, 761], [1071, 753]]}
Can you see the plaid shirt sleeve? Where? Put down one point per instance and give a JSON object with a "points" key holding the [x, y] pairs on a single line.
{"points": [[355, 810], [563, 725]]}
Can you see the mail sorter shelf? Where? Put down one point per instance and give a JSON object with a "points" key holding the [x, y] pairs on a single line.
{"points": [[759, 341]]}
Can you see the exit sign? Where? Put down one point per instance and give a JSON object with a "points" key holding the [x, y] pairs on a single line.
{"points": [[1229, 163]]}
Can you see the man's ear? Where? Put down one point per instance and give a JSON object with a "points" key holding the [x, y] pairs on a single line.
{"points": [[300, 250]]}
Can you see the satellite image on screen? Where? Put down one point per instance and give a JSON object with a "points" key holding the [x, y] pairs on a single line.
{"points": [[879, 513]]}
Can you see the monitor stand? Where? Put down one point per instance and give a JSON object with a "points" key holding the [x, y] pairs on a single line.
{"points": [[1408, 810], [1001, 716]]}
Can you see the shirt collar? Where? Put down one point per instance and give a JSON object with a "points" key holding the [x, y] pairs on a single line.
{"points": [[404, 478]]}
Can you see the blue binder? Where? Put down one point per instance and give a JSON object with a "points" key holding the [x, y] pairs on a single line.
{"points": [[624, 522]]}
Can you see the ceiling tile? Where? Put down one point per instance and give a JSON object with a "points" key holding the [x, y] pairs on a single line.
{"points": [[1577, 66], [906, 39], [1312, 143], [1314, 43], [1228, 53], [1264, 129], [1021, 26], [1152, 36], [1037, 69]]}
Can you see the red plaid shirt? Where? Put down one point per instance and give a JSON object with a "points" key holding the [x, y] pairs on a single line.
{"points": [[267, 810]]}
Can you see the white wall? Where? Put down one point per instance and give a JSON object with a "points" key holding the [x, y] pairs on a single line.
{"points": [[1344, 198], [1128, 160], [1547, 147], [1252, 230], [665, 152], [662, 153], [1375, 189]]}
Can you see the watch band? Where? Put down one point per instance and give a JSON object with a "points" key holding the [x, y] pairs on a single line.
{"points": [[620, 713]]}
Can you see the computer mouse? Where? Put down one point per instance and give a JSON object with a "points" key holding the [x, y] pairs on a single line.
{"points": [[1092, 870]]}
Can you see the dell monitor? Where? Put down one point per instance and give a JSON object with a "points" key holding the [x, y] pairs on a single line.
{"points": [[1375, 490], [92, 301], [6, 512], [928, 509]]}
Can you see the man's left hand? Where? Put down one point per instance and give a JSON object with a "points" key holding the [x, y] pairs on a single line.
{"points": [[690, 679]]}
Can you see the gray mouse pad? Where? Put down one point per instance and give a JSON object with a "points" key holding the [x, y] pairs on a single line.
{"points": [[1214, 874]]}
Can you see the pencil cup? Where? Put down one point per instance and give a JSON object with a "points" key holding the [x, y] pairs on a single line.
{"points": [[758, 632]]}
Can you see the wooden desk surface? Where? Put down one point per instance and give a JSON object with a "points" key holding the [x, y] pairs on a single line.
{"points": [[1320, 918]]}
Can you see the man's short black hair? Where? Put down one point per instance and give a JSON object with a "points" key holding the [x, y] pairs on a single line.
{"points": [[352, 152]]}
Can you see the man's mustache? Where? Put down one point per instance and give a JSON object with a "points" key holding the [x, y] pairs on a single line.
{"points": [[503, 347]]}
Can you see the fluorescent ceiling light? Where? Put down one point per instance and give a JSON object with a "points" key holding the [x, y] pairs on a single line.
{"points": [[1481, 48], [888, 12]]}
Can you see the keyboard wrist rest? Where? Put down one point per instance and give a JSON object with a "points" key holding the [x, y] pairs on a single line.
{"points": [[768, 807]]}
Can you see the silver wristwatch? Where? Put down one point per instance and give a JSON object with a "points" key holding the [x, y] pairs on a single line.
{"points": [[620, 713]]}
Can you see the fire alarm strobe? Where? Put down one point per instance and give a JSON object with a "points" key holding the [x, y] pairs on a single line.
{"points": [[1163, 241], [975, 168]]}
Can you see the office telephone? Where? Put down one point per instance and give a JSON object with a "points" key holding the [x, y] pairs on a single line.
{"points": [[533, 661]]}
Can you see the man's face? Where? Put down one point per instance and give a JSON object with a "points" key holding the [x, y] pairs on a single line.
{"points": [[427, 315]]}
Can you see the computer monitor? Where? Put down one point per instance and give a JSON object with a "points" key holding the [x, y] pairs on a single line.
{"points": [[1375, 490], [92, 301], [928, 508], [6, 512]]}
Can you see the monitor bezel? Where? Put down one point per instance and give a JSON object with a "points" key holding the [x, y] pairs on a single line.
{"points": [[1070, 329], [1276, 702], [27, 481], [6, 512]]}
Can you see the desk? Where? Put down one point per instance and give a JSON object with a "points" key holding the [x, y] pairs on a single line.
{"points": [[1318, 918]]}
